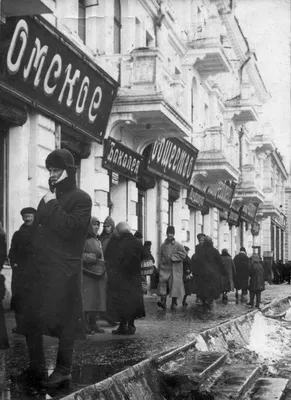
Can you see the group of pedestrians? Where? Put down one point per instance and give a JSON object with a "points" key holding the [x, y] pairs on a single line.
{"points": [[67, 277], [207, 274]]}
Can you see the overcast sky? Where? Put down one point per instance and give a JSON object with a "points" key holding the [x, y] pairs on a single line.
{"points": [[266, 24]]}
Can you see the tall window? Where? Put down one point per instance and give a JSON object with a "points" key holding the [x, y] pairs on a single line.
{"points": [[117, 27], [140, 211], [194, 95], [171, 212], [82, 20]]}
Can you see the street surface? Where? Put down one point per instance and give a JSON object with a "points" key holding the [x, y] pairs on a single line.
{"points": [[102, 355]]}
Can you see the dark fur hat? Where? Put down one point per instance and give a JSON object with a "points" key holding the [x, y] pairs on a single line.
{"points": [[27, 210], [171, 230], [61, 158]]}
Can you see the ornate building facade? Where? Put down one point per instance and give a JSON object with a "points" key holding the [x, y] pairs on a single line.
{"points": [[159, 101]]}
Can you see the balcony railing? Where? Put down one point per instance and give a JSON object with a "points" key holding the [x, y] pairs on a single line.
{"points": [[251, 185], [218, 152]]}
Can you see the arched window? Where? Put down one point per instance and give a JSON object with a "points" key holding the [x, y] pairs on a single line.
{"points": [[117, 27]]}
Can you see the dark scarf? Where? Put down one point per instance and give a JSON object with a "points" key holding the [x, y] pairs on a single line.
{"points": [[65, 185]]}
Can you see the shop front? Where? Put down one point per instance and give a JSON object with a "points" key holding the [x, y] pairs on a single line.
{"points": [[196, 195], [171, 163], [278, 225], [124, 166], [218, 198], [247, 219], [52, 95]]}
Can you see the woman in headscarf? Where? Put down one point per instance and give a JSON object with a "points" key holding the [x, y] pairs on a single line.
{"points": [[256, 281], [108, 229], [227, 280], [210, 269], [124, 254], [94, 285]]}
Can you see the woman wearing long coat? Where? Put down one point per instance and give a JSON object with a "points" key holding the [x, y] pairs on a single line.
{"points": [[256, 280], [209, 270], [227, 284], [241, 278], [123, 255], [94, 287]]}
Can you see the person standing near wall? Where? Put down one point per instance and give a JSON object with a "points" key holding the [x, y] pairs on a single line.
{"points": [[171, 270], [94, 279], [20, 256], [53, 300]]}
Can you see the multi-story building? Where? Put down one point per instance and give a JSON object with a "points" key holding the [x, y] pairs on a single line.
{"points": [[156, 100]]}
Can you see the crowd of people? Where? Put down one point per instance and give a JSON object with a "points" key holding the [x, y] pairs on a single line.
{"points": [[66, 277]]}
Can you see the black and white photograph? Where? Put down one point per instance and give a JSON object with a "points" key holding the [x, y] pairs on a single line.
{"points": [[145, 199]]}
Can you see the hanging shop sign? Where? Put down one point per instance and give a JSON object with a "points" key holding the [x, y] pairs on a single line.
{"points": [[233, 217], [121, 159], [255, 229], [42, 67], [195, 198], [248, 212], [220, 194], [173, 160]]}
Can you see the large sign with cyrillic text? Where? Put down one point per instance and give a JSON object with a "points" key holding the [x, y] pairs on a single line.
{"points": [[42, 67], [173, 160], [121, 159]]}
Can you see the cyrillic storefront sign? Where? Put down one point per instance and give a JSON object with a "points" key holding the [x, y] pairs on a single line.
{"points": [[42, 67], [173, 160], [121, 159], [195, 198], [248, 212], [255, 228], [233, 217], [220, 194]]}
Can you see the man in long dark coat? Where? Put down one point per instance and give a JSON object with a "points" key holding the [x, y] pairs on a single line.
{"points": [[123, 256], [241, 278], [20, 255], [53, 303]]}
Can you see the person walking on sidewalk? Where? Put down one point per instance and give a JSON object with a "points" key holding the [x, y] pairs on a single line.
{"points": [[94, 279], [256, 282], [123, 256], [195, 267], [171, 270], [20, 256], [242, 263], [227, 284], [53, 299], [187, 277]]}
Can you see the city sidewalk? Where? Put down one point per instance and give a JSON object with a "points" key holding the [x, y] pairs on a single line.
{"points": [[102, 355]]}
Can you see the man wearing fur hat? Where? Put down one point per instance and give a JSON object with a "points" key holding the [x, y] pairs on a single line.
{"points": [[171, 270], [54, 300]]}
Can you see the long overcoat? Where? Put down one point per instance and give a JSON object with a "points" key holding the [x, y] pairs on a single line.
{"points": [[241, 262], [227, 284], [208, 270], [256, 274], [171, 269], [53, 300], [20, 253], [123, 257], [94, 287]]}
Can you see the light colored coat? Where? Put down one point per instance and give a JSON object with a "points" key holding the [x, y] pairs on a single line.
{"points": [[171, 269]]}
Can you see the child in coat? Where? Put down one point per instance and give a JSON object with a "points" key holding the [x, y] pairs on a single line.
{"points": [[256, 280]]}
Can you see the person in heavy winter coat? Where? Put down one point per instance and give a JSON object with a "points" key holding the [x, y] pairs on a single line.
{"points": [[53, 300], [256, 282], [187, 277], [209, 270], [94, 286], [195, 266], [227, 284], [241, 262], [123, 256], [108, 229], [20, 256], [171, 270], [3, 332]]}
